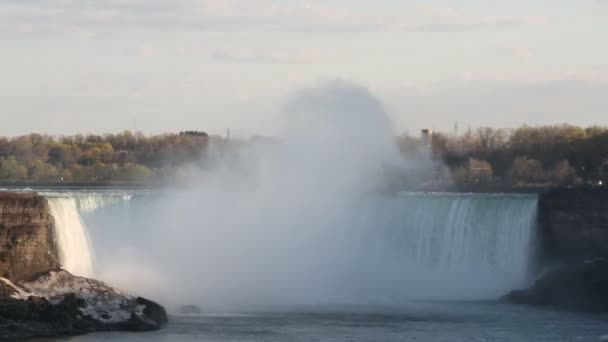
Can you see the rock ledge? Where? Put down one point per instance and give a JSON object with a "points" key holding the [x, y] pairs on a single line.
{"points": [[58, 303], [582, 287]]}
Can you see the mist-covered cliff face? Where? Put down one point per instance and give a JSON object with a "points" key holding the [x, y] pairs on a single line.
{"points": [[26, 237]]}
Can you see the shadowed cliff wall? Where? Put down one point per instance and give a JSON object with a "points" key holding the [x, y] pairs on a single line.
{"points": [[574, 225]]}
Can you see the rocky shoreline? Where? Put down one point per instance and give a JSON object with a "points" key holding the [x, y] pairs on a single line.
{"points": [[573, 242], [39, 299], [58, 303], [582, 288]]}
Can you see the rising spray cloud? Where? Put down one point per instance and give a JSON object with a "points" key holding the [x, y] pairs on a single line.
{"points": [[287, 222]]}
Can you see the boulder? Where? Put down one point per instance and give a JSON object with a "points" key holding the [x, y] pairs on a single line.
{"points": [[189, 310], [58, 303], [583, 287]]}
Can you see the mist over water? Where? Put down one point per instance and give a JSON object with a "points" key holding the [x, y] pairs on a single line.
{"points": [[303, 221]]}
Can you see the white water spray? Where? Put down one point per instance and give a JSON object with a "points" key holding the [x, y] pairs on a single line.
{"points": [[71, 235], [301, 221]]}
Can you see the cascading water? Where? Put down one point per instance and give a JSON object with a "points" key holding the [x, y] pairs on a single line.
{"points": [[379, 249], [89, 202], [382, 249], [71, 235], [473, 246]]}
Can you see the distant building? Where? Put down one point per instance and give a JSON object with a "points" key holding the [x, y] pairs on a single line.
{"points": [[194, 133], [479, 170]]}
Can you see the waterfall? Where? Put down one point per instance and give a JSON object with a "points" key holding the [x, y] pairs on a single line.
{"points": [[88, 202], [467, 245], [71, 236], [379, 249]]}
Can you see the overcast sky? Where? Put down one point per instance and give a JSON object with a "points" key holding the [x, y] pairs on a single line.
{"points": [[71, 66]]}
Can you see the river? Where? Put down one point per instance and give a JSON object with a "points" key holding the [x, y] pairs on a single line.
{"points": [[401, 267], [430, 322]]}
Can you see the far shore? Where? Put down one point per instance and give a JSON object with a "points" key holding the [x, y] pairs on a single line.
{"points": [[69, 185], [460, 188]]}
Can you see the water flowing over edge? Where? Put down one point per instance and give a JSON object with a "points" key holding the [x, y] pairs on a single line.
{"points": [[74, 246], [456, 241], [71, 236], [417, 245]]}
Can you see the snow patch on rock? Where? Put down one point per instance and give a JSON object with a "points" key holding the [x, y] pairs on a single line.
{"points": [[100, 301], [18, 293]]}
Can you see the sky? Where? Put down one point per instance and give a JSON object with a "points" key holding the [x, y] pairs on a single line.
{"points": [[69, 66]]}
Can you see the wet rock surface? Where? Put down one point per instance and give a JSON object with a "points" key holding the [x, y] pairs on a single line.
{"points": [[582, 288], [573, 235], [573, 225], [60, 304]]}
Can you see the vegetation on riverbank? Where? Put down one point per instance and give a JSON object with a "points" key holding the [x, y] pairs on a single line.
{"points": [[526, 156], [111, 158], [559, 155]]}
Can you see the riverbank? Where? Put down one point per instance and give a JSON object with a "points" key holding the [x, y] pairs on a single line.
{"points": [[460, 188], [79, 185]]}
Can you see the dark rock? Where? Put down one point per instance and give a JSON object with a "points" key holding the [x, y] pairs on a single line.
{"points": [[37, 317], [579, 288], [92, 306], [6, 291], [573, 225], [153, 310], [139, 323]]}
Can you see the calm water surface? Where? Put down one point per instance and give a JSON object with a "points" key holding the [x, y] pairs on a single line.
{"points": [[487, 322]]}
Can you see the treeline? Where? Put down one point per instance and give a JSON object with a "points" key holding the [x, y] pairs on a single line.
{"points": [[97, 158], [526, 156]]}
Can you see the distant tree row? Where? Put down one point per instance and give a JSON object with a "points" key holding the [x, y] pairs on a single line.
{"points": [[111, 157], [543, 155], [526, 156]]}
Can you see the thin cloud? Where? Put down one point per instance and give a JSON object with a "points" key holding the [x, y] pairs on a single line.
{"points": [[287, 57], [501, 103], [442, 18], [60, 16]]}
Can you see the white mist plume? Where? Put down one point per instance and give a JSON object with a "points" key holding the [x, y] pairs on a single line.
{"points": [[281, 223], [267, 225]]}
